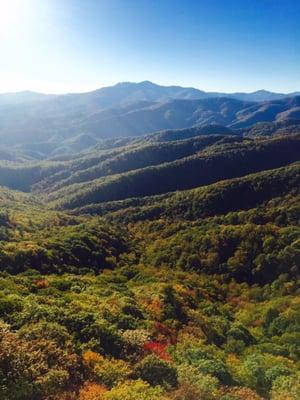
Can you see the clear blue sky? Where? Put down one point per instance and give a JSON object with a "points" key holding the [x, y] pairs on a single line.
{"points": [[214, 45]]}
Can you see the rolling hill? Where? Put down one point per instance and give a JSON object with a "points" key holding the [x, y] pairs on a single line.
{"points": [[207, 166], [163, 265]]}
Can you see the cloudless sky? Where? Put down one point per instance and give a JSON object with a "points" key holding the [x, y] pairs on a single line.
{"points": [[61, 46]]}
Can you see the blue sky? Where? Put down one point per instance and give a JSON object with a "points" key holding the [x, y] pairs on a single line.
{"points": [[216, 45]]}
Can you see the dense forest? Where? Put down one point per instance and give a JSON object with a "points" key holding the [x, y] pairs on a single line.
{"points": [[158, 267]]}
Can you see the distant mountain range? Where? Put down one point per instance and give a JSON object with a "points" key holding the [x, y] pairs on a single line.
{"points": [[124, 93], [54, 124]]}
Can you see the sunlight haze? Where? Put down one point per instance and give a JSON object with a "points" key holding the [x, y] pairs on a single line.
{"points": [[58, 46]]}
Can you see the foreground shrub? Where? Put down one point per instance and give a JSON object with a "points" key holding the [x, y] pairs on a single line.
{"points": [[158, 349], [194, 385], [156, 372], [31, 369], [286, 388], [204, 358], [215, 368], [92, 391], [134, 390], [47, 330], [239, 393], [106, 371], [259, 371]]}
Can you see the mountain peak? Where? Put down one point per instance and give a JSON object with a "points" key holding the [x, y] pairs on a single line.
{"points": [[263, 91], [147, 83], [142, 83]]}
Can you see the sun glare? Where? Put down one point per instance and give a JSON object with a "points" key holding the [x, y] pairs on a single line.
{"points": [[14, 16]]}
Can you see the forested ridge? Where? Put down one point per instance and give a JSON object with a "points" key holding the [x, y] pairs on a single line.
{"points": [[158, 267], [219, 163]]}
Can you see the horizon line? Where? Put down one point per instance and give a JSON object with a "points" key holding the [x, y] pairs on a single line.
{"points": [[140, 82]]}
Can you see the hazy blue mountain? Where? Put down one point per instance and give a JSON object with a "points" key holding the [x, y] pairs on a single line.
{"points": [[259, 95], [58, 124], [25, 96], [178, 113], [125, 93]]}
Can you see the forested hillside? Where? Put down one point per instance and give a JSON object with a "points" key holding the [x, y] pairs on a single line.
{"points": [[163, 266], [211, 165]]}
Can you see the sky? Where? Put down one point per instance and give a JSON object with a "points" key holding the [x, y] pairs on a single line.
{"points": [[60, 46]]}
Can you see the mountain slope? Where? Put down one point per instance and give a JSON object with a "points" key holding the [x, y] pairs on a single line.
{"points": [[219, 198], [127, 109], [286, 127], [176, 114], [138, 153], [223, 162], [32, 236], [129, 159]]}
